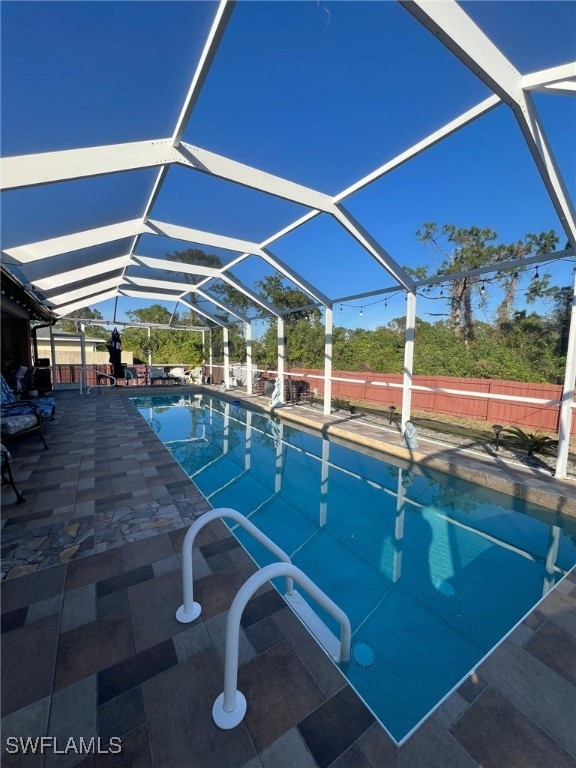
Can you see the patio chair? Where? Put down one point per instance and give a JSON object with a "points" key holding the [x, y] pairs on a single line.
{"points": [[21, 418], [45, 405], [6, 471]]}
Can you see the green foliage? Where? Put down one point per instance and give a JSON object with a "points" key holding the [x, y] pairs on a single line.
{"points": [[167, 346], [533, 442], [78, 318], [341, 404], [471, 248]]}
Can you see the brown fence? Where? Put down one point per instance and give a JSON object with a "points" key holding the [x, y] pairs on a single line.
{"points": [[506, 412]]}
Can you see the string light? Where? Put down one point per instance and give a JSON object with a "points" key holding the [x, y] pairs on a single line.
{"points": [[361, 311], [483, 288]]}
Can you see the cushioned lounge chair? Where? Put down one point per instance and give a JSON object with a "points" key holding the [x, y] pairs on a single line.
{"points": [[21, 418], [46, 405]]}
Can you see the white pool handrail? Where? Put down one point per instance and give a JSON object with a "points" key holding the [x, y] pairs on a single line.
{"points": [[230, 706], [190, 610], [100, 375]]}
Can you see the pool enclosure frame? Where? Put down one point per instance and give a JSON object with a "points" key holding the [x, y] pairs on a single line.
{"points": [[111, 278]]}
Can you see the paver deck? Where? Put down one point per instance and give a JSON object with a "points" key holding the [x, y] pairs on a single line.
{"points": [[90, 645]]}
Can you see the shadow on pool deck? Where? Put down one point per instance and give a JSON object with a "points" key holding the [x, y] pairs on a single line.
{"points": [[91, 647]]}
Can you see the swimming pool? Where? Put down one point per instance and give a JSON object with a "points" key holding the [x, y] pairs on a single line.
{"points": [[432, 571]]}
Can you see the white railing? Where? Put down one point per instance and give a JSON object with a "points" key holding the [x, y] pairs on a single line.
{"points": [[190, 610], [100, 375], [230, 706]]}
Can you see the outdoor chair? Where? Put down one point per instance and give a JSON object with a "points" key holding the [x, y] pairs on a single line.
{"points": [[7, 476], [160, 374], [21, 418], [45, 405]]}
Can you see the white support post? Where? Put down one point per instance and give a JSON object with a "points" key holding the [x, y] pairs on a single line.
{"points": [[203, 355], [53, 353], [249, 375], [226, 345], [328, 323], [83, 359], [210, 358], [408, 357], [567, 395], [149, 356], [281, 354]]}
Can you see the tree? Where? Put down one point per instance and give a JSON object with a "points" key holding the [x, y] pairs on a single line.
{"points": [[532, 245], [300, 326], [168, 346], [470, 251], [73, 324]]}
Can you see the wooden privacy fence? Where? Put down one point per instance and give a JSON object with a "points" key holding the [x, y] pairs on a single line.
{"points": [[452, 396]]}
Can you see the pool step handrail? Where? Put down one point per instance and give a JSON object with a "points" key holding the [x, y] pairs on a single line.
{"points": [[230, 706], [190, 610], [100, 375]]}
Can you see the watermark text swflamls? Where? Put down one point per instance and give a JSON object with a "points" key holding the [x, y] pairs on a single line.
{"points": [[44, 744]]}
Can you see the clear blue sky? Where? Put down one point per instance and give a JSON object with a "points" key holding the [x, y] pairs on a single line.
{"points": [[321, 93]]}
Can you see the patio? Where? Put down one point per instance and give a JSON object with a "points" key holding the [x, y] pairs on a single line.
{"points": [[92, 556]]}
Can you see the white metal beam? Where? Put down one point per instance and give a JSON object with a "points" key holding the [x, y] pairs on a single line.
{"points": [[47, 167], [96, 298], [297, 279], [176, 266], [203, 313], [202, 238], [421, 146], [79, 293], [184, 289], [565, 73], [211, 272], [224, 168], [533, 132], [450, 24], [566, 409], [366, 240], [82, 273], [251, 295], [56, 246], [231, 310], [221, 19], [180, 287], [408, 358], [328, 359], [497, 266]]}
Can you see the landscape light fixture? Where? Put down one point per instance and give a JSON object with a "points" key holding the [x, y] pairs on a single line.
{"points": [[391, 408], [497, 429]]}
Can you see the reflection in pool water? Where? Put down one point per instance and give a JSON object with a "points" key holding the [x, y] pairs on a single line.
{"points": [[431, 570]]}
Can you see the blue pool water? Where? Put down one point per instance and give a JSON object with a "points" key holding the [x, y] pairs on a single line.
{"points": [[431, 570]]}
